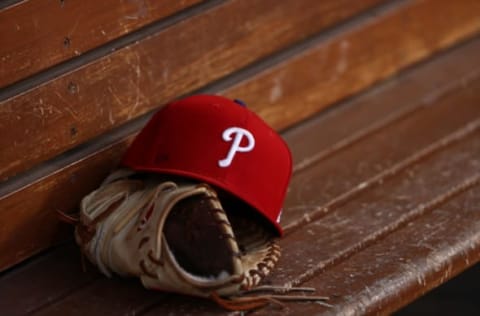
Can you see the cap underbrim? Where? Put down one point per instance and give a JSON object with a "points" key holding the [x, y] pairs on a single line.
{"points": [[213, 182]]}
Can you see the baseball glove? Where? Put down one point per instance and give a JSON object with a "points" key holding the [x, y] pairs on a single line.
{"points": [[179, 236]]}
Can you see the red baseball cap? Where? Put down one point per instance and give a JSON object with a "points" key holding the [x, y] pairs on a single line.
{"points": [[221, 142]]}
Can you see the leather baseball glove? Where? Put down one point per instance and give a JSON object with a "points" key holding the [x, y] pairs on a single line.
{"points": [[179, 236]]}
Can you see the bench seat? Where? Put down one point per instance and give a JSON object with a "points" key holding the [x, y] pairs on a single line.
{"points": [[383, 206], [378, 100]]}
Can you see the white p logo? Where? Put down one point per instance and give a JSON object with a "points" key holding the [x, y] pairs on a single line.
{"points": [[228, 136]]}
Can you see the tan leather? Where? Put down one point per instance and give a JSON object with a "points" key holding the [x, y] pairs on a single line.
{"points": [[121, 231]]}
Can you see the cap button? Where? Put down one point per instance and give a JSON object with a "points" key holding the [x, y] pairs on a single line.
{"points": [[240, 102]]}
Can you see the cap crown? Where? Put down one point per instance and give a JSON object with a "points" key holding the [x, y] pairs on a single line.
{"points": [[216, 140]]}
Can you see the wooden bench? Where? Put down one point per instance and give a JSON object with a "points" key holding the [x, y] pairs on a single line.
{"points": [[378, 100]]}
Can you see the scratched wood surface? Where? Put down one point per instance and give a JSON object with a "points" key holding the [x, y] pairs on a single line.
{"points": [[72, 108], [75, 178], [444, 165], [73, 184], [335, 68], [38, 34], [458, 296], [383, 206]]}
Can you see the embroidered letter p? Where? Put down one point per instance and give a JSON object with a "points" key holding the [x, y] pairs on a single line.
{"points": [[236, 134]]}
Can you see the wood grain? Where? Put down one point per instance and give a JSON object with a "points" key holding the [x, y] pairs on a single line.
{"points": [[405, 265], [80, 105], [375, 211], [366, 218], [361, 270], [36, 35], [32, 220], [343, 65], [392, 101], [97, 166], [23, 210], [60, 269], [435, 242], [345, 172], [128, 298], [275, 95], [379, 212]]}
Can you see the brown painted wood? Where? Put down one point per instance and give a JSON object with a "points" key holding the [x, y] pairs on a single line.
{"points": [[32, 220], [389, 261], [44, 280], [80, 105], [343, 65], [376, 211], [88, 172], [385, 150], [373, 191], [400, 268], [439, 69], [392, 101], [456, 296], [420, 256], [62, 120], [368, 227], [127, 298], [400, 198], [39, 34]]}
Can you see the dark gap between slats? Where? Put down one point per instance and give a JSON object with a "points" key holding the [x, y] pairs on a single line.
{"points": [[43, 255], [8, 3]]}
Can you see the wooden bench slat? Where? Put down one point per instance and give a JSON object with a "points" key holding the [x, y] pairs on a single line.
{"points": [[375, 213], [387, 149], [383, 204], [39, 34], [355, 114], [82, 104], [346, 64], [406, 264], [104, 297], [111, 297], [391, 101], [44, 281], [360, 213], [97, 122], [22, 208], [30, 212], [365, 220]]}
